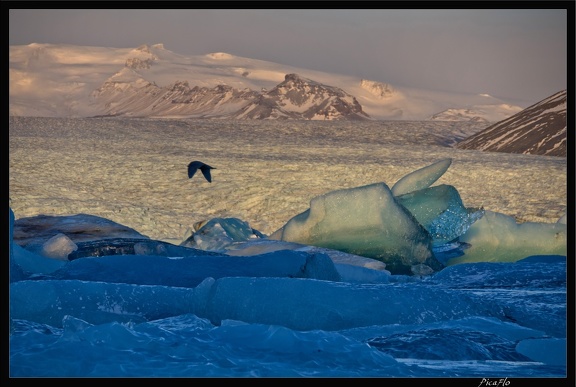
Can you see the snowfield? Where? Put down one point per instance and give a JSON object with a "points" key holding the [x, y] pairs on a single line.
{"points": [[134, 171]]}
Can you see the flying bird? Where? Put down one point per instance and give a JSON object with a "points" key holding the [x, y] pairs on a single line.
{"points": [[205, 168]]}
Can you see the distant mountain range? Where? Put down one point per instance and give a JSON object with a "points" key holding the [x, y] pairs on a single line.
{"points": [[150, 81], [295, 98], [539, 129]]}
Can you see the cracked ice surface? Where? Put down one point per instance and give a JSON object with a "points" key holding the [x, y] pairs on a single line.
{"points": [[133, 171]]}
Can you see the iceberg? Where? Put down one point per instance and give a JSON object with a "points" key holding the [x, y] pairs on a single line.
{"points": [[441, 211], [58, 247], [546, 350], [198, 313], [498, 238], [24, 263], [506, 283], [421, 178], [307, 304], [413, 228], [417, 228], [366, 221], [49, 301], [192, 270], [265, 245], [296, 303], [361, 274], [35, 231], [218, 233]]}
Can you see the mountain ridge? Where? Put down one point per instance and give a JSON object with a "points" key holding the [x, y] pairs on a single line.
{"points": [[540, 129], [67, 80]]}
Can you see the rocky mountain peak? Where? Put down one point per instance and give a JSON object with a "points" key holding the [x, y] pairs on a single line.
{"points": [[302, 98]]}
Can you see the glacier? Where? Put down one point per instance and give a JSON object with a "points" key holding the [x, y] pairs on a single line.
{"points": [[311, 300]]}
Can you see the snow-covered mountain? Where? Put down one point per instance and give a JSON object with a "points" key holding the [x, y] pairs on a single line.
{"points": [[127, 94], [150, 81], [301, 98], [478, 113], [539, 129]]}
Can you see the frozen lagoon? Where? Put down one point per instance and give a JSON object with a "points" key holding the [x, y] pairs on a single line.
{"points": [[94, 171], [133, 171]]}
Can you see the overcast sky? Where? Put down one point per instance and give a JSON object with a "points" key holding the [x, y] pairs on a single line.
{"points": [[511, 54]]}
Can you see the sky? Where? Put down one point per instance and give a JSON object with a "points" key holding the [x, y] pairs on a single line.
{"points": [[515, 54]]}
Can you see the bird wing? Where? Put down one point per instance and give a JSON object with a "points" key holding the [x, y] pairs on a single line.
{"points": [[206, 172], [192, 168]]}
